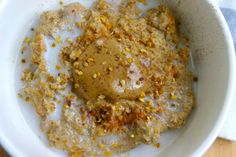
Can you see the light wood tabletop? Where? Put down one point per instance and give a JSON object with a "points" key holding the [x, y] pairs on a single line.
{"points": [[220, 148]]}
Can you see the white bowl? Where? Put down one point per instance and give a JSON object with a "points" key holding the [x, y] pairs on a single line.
{"points": [[213, 54]]}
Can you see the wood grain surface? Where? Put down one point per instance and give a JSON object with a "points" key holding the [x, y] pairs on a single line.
{"points": [[220, 148]]}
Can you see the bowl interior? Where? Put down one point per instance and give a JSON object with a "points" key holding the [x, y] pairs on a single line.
{"points": [[212, 53]]}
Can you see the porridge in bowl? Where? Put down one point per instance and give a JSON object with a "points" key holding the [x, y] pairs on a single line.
{"points": [[119, 83]]}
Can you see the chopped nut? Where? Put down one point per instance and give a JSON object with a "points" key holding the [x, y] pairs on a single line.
{"points": [[149, 44], [85, 64], [156, 92], [39, 37], [115, 144], [149, 102], [141, 99], [69, 40], [142, 94], [132, 135], [160, 109], [130, 60], [103, 19], [147, 109], [58, 39], [123, 52], [127, 49], [66, 106], [108, 153], [94, 76], [100, 132], [154, 110], [173, 96], [79, 72], [143, 51], [58, 67], [76, 64], [120, 117], [27, 40], [101, 97], [123, 63], [90, 60], [110, 69], [75, 54], [77, 153], [77, 85], [98, 74], [158, 145], [78, 24], [122, 82], [101, 145]]}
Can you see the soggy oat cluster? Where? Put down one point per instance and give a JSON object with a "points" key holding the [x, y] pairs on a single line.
{"points": [[120, 83]]}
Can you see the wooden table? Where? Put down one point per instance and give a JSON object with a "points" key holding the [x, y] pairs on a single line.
{"points": [[221, 148]]}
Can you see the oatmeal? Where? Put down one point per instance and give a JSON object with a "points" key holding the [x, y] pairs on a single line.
{"points": [[120, 83]]}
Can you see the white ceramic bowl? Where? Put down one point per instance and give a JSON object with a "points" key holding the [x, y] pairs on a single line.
{"points": [[213, 54]]}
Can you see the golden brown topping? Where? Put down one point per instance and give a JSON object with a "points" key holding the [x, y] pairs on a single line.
{"points": [[157, 145], [79, 72], [101, 145], [143, 51], [122, 82], [141, 99], [110, 69], [75, 54], [142, 94], [89, 60], [58, 67], [85, 64], [100, 132], [27, 40], [53, 45], [108, 153], [77, 85], [77, 153], [94, 76], [130, 60], [58, 39], [173, 96], [123, 71]]}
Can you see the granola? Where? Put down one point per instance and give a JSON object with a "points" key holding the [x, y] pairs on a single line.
{"points": [[126, 80]]}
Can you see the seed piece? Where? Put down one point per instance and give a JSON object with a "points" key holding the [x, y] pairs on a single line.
{"points": [[142, 94], [141, 99], [79, 72], [122, 82], [94, 76], [77, 85], [110, 69]]}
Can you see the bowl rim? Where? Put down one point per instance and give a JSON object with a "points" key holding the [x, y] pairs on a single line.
{"points": [[14, 151], [231, 90]]}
